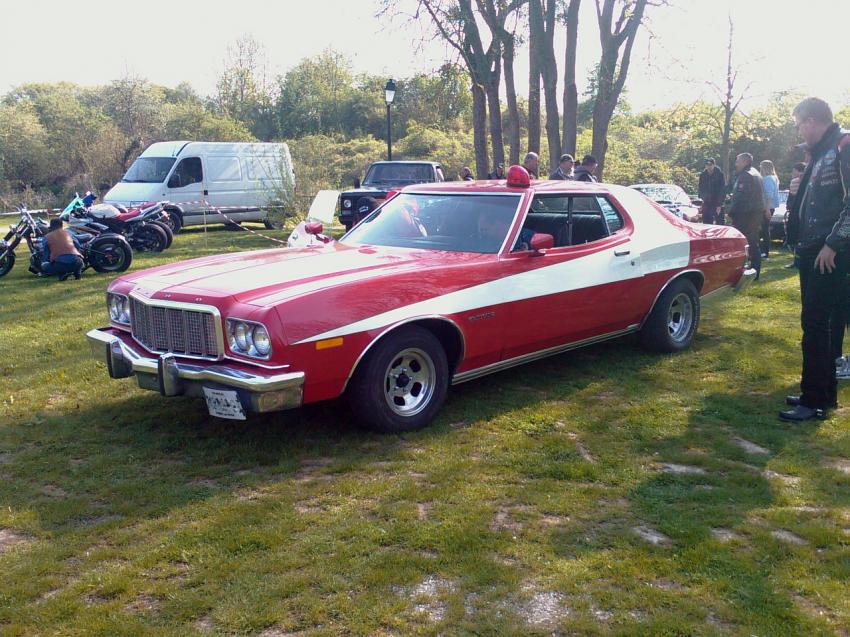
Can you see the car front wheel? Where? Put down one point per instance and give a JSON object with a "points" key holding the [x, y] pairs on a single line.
{"points": [[673, 321], [401, 383]]}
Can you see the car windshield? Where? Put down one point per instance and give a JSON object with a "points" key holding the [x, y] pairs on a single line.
{"points": [[664, 194], [398, 174], [149, 170], [449, 222]]}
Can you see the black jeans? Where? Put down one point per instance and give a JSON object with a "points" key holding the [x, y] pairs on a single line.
{"points": [[765, 234], [823, 297]]}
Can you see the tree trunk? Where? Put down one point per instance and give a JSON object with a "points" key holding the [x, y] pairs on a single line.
{"points": [[602, 113], [495, 107], [533, 80], [513, 110], [568, 142], [549, 73], [479, 128]]}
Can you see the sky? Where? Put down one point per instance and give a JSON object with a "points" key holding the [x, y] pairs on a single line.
{"points": [[779, 45]]}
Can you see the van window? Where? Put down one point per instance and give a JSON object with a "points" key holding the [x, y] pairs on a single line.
{"points": [[223, 169], [188, 172], [264, 168]]}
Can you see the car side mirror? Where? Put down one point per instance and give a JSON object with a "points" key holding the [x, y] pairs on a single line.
{"points": [[313, 227], [541, 241], [357, 182]]}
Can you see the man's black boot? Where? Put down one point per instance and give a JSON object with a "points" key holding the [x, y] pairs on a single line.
{"points": [[802, 413], [793, 401]]}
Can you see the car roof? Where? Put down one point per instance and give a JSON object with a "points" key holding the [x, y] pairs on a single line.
{"points": [[494, 186], [406, 161]]}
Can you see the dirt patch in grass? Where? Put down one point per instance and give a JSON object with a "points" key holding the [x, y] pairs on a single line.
{"points": [[422, 510], [208, 483], [670, 467], [504, 521], [724, 535], [143, 604], [10, 539], [51, 490], [751, 447], [652, 536], [790, 481], [582, 450], [788, 537], [279, 632], [839, 464], [427, 596], [541, 608], [204, 624]]}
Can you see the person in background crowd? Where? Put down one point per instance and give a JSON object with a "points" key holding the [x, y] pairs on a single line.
{"points": [[712, 191], [564, 171], [466, 174], [61, 252], [823, 243], [585, 171], [797, 171], [771, 202], [531, 163], [747, 207], [498, 172]]}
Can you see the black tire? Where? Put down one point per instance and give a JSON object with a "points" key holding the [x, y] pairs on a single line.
{"points": [[109, 254], [168, 232], [232, 225], [401, 383], [175, 221], [149, 238], [7, 262], [671, 325], [272, 224]]}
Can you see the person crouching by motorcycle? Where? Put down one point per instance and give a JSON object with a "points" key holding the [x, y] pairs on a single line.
{"points": [[61, 252]]}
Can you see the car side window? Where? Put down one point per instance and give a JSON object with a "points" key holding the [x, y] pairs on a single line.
{"points": [[612, 217], [549, 215], [586, 220], [440, 176], [188, 172]]}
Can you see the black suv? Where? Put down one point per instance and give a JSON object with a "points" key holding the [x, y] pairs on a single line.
{"points": [[382, 177]]}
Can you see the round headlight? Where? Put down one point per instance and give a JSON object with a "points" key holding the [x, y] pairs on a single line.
{"points": [[241, 334], [125, 309], [346, 203], [262, 342]]}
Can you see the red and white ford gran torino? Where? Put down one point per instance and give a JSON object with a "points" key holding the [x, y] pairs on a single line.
{"points": [[442, 284]]}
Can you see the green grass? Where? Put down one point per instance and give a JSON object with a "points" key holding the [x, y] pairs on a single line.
{"points": [[124, 513]]}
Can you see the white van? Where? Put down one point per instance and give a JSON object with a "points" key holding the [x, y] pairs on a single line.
{"points": [[239, 179]]}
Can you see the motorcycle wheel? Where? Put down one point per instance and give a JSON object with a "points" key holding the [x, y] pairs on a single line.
{"points": [[7, 262], [175, 221], [149, 238], [109, 254], [168, 232]]}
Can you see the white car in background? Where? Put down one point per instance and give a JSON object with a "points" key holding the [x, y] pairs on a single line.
{"points": [[673, 198]]}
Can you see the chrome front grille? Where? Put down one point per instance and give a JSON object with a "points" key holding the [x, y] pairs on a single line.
{"points": [[176, 328]]}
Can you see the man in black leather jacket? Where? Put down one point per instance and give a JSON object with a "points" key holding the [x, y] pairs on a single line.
{"points": [[822, 210], [747, 207], [712, 190]]}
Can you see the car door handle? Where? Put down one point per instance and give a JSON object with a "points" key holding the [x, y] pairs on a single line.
{"points": [[622, 253], [206, 192]]}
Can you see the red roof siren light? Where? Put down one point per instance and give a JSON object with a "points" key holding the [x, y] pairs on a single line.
{"points": [[518, 177]]}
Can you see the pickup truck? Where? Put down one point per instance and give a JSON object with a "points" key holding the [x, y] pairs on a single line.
{"points": [[381, 178]]}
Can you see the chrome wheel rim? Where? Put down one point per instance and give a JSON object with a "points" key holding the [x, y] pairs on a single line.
{"points": [[680, 317], [409, 382]]}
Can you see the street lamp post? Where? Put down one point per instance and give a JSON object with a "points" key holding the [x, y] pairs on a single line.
{"points": [[389, 96]]}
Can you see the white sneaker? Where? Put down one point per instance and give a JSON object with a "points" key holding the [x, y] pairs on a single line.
{"points": [[843, 372]]}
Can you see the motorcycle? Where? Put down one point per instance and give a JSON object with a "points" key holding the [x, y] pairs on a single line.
{"points": [[104, 253], [144, 227]]}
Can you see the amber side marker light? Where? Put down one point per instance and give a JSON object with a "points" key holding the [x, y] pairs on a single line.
{"points": [[328, 343], [518, 177]]}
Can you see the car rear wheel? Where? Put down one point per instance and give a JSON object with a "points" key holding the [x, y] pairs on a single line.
{"points": [[673, 321], [401, 383]]}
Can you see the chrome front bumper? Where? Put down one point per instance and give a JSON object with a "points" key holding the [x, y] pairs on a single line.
{"points": [[748, 276], [170, 377]]}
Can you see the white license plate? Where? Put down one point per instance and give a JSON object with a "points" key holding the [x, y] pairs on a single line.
{"points": [[224, 403]]}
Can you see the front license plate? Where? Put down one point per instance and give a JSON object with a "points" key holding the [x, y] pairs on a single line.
{"points": [[224, 403]]}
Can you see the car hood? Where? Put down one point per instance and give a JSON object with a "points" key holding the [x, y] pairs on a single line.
{"points": [[132, 193], [268, 276]]}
